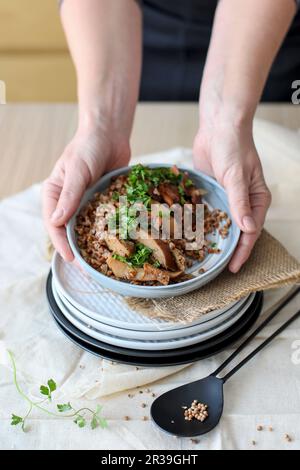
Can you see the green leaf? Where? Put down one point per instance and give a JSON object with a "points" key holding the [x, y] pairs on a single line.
{"points": [[51, 385], [64, 407], [115, 196], [80, 421], [141, 255], [94, 422], [138, 259], [98, 409], [44, 390], [156, 264], [188, 183], [102, 422], [15, 420]]}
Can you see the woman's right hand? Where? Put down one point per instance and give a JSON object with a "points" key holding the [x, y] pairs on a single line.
{"points": [[91, 153]]}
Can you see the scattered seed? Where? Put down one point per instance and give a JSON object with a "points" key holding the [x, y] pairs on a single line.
{"points": [[259, 427], [126, 418], [253, 443], [153, 395], [172, 421], [195, 441], [145, 418], [140, 391], [147, 390], [130, 395], [270, 428], [137, 368], [287, 437], [143, 405]]}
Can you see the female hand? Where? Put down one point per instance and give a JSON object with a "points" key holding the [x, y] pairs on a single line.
{"points": [[91, 153], [228, 153]]}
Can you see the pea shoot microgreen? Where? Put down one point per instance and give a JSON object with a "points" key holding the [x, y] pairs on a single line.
{"points": [[78, 416]]}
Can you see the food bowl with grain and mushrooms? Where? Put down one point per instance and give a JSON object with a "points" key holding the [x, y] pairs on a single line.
{"points": [[153, 231]]}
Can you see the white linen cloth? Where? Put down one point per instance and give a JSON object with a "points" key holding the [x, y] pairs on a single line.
{"points": [[266, 391]]}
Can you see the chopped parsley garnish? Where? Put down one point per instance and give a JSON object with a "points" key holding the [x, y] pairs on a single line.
{"points": [[138, 192], [138, 259], [156, 264], [182, 194], [121, 258], [115, 196], [141, 178], [188, 183]]}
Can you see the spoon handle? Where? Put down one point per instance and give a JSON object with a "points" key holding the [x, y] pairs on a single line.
{"points": [[279, 306], [261, 346]]}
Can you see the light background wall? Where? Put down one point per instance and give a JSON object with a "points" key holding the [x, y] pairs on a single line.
{"points": [[34, 60]]}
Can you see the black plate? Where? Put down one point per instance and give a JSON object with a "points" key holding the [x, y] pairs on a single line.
{"points": [[155, 358]]}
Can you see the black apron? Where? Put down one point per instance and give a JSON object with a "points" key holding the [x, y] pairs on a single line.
{"points": [[176, 37]]}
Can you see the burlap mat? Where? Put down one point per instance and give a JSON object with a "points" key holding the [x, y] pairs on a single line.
{"points": [[269, 266]]}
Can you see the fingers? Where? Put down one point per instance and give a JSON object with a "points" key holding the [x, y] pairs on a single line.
{"points": [[242, 252], [76, 180], [51, 194], [260, 203], [237, 188]]}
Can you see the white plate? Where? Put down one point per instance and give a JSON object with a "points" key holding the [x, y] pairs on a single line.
{"points": [[151, 345], [213, 265], [146, 335], [111, 308]]}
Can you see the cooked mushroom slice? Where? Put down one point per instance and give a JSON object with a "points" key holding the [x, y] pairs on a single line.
{"points": [[169, 192], [162, 218], [195, 194], [121, 247], [154, 193], [160, 249], [155, 274], [147, 273], [179, 258], [120, 269], [175, 170]]}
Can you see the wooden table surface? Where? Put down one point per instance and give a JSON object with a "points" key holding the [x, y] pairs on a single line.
{"points": [[32, 136]]}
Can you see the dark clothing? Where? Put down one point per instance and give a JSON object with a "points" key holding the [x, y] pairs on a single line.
{"points": [[176, 37]]}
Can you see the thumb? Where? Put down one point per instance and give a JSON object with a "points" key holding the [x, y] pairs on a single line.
{"points": [[237, 189], [75, 184]]}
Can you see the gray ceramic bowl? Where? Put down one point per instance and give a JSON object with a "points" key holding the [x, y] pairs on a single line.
{"points": [[212, 265]]}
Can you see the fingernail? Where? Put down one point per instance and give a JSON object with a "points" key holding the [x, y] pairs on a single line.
{"points": [[234, 268], [57, 214], [249, 223]]}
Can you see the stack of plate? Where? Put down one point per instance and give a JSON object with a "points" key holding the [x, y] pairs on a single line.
{"points": [[103, 323]]}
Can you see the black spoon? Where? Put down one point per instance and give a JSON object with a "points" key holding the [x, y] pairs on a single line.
{"points": [[167, 410]]}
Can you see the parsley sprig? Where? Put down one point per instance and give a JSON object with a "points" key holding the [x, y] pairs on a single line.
{"points": [[138, 259], [79, 416]]}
